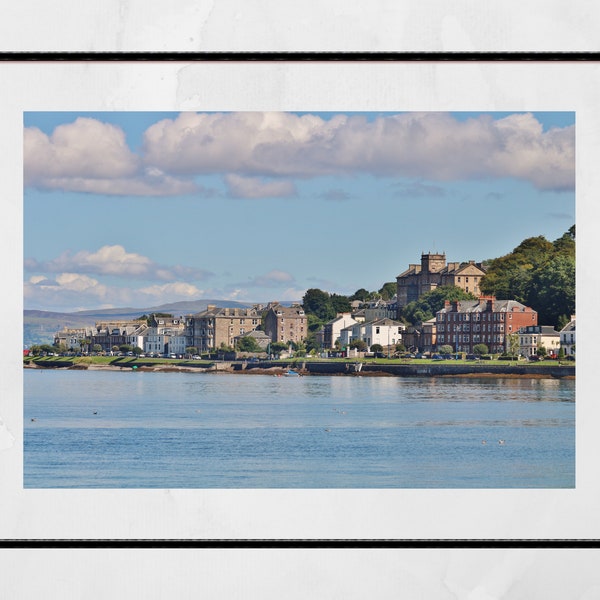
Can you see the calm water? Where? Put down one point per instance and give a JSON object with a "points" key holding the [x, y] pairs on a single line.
{"points": [[106, 429]]}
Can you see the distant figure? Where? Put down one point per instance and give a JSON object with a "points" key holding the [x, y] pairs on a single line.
{"points": [[501, 442], [483, 442], [328, 430], [95, 412], [33, 419]]}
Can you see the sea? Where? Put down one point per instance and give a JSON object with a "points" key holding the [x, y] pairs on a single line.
{"points": [[130, 429]]}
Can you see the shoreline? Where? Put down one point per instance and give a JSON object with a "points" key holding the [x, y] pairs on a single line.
{"points": [[334, 369]]}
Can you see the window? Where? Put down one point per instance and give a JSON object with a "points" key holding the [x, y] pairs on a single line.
{"points": [[376, 329]]}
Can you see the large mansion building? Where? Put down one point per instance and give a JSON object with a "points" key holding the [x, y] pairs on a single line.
{"points": [[433, 272], [213, 327]]}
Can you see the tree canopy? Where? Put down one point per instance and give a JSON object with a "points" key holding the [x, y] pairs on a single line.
{"points": [[428, 304], [538, 273]]}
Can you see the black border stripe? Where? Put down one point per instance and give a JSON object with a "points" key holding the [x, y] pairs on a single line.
{"points": [[59, 56], [299, 544]]}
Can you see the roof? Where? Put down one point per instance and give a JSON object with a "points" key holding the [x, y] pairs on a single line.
{"points": [[547, 330], [570, 326], [480, 305], [216, 311], [288, 311]]}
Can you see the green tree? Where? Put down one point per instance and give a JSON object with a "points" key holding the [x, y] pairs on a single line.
{"points": [[191, 350], [360, 345], [361, 295], [248, 344], [340, 304], [388, 290], [512, 344], [446, 349], [317, 302], [480, 349], [299, 348], [508, 276], [277, 347], [96, 348], [428, 304], [552, 291], [137, 350], [376, 348]]}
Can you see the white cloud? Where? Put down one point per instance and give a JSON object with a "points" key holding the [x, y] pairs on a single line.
{"points": [[135, 186], [67, 291], [253, 151], [255, 187], [169, 292], [420, 145], [70, 290], [117, 262], [85, 149]]}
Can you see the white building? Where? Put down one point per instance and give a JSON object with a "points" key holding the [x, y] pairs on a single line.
{"points": [[532, 337], [567, 338], [385, 332], [177, 344], [332, 330]]}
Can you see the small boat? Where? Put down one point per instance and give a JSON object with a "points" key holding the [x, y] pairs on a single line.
{"points": [[291, 373]]}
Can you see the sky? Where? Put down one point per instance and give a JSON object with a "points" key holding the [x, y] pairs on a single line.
{"points": [[138, 209]]}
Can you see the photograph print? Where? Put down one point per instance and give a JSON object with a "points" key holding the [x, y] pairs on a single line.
{"points": [[238, 300]]}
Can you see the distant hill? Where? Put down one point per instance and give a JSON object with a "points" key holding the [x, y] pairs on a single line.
{"points": [[39, 326]]}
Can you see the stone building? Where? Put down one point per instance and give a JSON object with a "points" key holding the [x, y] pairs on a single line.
{"points": [[108, 334], [433, 272], [210, 329], [286, 323], [463, 324], [74, 339]]}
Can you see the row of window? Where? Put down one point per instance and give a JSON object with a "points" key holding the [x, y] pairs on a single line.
{"points": [[476, 339]]}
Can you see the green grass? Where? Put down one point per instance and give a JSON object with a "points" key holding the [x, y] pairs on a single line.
{"points": [[130, 361]]}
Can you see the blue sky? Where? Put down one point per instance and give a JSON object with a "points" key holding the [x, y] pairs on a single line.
{"points": [[140, 209]]}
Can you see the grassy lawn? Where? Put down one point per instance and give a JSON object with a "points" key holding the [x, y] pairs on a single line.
{"points": [[131, 361]]}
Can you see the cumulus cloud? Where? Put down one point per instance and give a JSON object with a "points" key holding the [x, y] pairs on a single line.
{"points": [[70, 290], [432, 146], [255, 187], [85, 149], [258, 153], [93, 157], [66, 291], [117, 262]]}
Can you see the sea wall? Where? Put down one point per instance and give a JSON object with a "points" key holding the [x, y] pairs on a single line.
{"points": [[430, 370], [442, 369]]}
